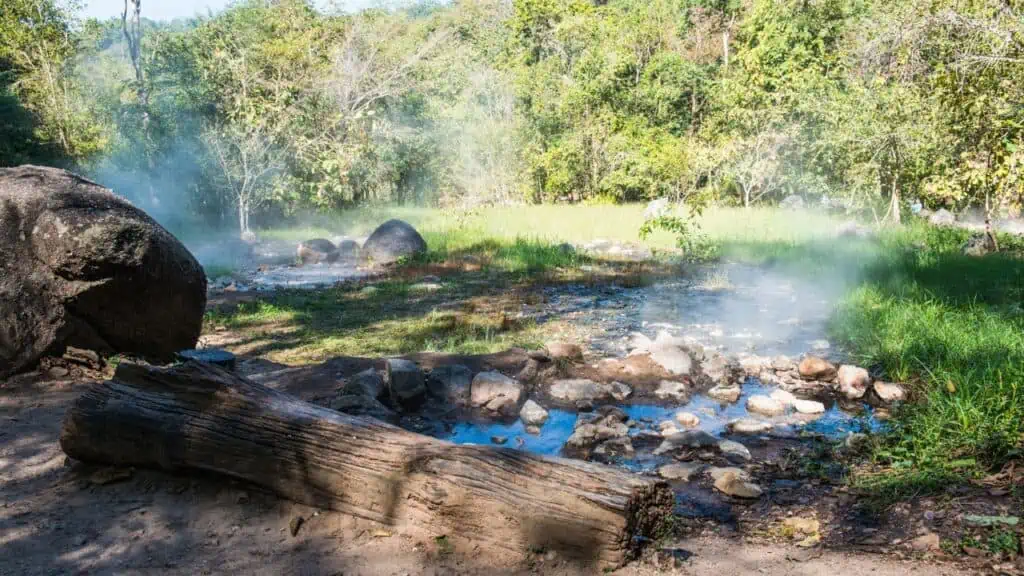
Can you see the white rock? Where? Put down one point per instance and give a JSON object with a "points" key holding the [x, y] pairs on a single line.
{"points": [[765, 406], [533, 414], [487, 387], [853, 381], [888, 392], [749, 426], [732, 485], [669, 390], [808, 406], [688, 419], [620, 391], [728, 394], [682, 471], [734, 451], [785, 398]]}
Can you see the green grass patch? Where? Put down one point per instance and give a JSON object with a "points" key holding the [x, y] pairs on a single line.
{"points": [[951, 326], [386, 319]]}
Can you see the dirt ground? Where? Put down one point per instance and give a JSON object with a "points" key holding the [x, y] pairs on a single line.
{"points": [[60, 517]]}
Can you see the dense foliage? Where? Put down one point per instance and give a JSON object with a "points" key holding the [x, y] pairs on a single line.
{"points": [[273, 107]]}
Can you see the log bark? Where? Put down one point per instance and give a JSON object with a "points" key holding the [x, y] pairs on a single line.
{"points": [[200, 417]]}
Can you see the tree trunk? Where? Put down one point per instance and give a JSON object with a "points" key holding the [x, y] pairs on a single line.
{"points": [[894, 206], [196, 416], [725, 47]]}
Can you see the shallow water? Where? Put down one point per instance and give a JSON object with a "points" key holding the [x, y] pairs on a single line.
{"points": [[835, 423], [308, 276]]}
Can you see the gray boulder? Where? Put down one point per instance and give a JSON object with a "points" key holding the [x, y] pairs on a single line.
{"points": [[533, 414], [367, 382], [451, 384], [82, 267], [392, 241], [405, 381], [316, 250], [349, 250], [363, 405], [495, 391]]}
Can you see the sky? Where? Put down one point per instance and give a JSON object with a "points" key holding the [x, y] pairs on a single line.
{"points": [[171, 9]]}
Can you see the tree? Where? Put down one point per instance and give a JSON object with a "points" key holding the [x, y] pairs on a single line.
{"points": [[247, 155]]}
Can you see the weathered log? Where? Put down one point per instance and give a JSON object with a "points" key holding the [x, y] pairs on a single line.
{"points": [[200, 417]]}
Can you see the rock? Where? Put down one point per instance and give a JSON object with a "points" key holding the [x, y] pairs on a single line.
{"points": [[783, 397], [929, 542], [792, 202], [753, 365], [425, 287], [368, 382], [731, 484], [109, 475], [668, 428], [619, 391], [693, 439], [783, 363], [539, 355], [797, 525], [853, 382], [808, 406], [502, 405], [734, 451], [529, 372], [942, 217], [687, 419], [669, 353], [577, 389], [393, 241], [533, 414], [765, 406], [682, 471], [566, 248], [494, 389], [814, 368], [315, 251], [499, 440], [722, 371], [532, 430], [295, 524], [670, 390], [57, 372], [716, 473], [451, 383], [977, 520], [349, 251], [656, 209], [726, 395], [749, 427], [564, 351], [589, 434], [362, 405], [80, 266], [583, 390], [888, 393], [405, 381], [619, 446]]}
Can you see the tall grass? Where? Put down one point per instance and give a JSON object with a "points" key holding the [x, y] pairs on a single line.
{"points": [[953, 327]]}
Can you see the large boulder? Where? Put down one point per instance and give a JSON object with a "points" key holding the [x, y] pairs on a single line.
{"points": [[82, 267], [316, 250], [392, 241]]}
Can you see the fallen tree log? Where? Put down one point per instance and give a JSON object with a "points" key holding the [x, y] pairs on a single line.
{"points": [[197, 416]]}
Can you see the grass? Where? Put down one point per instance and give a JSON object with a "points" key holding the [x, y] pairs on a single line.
{"points": [[390, 318], [952, 327], [915, 309]]}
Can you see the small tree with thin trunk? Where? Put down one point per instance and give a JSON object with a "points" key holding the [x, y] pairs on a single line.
{"points": [[246, 155]]}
